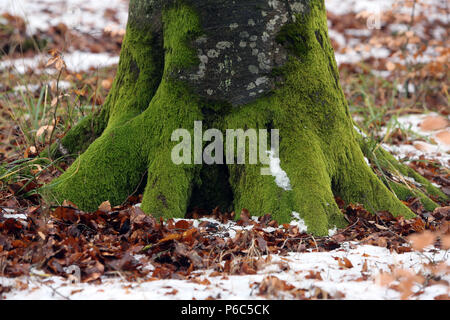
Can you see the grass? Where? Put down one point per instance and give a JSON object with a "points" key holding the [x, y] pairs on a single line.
{"points": [[51, 106], [376, 103], [38, 108]]}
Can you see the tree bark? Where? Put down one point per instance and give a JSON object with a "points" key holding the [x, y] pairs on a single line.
{"points": [[232, 64]]}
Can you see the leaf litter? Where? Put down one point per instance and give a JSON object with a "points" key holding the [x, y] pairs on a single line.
{"points": [[125, 244]]}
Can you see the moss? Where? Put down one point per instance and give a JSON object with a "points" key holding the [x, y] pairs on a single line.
{"points": [[138, 76], [114, 164], [404, 193], [295, 39], [169, 186], [388, 161]]}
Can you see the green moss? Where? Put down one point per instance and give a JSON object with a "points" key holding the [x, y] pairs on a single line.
{"points": [[295, 39], [169, 186], [404, 193], [114, 164], [386, 160], [138, 76]]}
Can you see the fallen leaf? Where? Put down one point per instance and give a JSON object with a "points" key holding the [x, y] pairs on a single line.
{"points": [[105, 206], [345, 263], [421, 240], [432, 123], [443, 137]]}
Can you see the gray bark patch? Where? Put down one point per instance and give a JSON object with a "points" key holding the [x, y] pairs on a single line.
{"points": [[240, 44], [238, 49]]}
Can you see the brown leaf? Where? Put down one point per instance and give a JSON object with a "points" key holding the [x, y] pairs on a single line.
{"points": [[442, 211], [171, 293], [246, 269], [345, 263], [421, 240], [271, 285], [183, 224], [445, 241], [105, 206], [315, 275], [66, 214], [172, 236], [432, 123], [364, 267], [443, 137]]}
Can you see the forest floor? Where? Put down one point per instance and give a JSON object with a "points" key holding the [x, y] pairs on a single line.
{"points": [[57, 64]]}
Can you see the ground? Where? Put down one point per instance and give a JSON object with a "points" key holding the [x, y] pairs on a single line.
{"points": [[395, 81]]}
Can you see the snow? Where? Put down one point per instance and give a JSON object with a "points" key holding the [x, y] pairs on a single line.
{"points": [[299, 222], [62, 84], [332, 232], [87, 16], [352, 49], [361, 281], [93, 17], [10, 214], [335, 279], [353, 56], [15, 216], [438, 151], [75, 61], [341, 7], [281, 178]]}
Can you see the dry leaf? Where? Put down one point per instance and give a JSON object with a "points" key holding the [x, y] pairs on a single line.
{"points": [[443, 137], [105, 206], [445, 241], [432, 123], [345, 263], [421, 240], [43, 129]]}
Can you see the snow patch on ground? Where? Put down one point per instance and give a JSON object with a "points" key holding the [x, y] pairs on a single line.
{"points": [[75, 61], [436, 149], [332, 232], [86, 16], [93, 17], [352, 49]]}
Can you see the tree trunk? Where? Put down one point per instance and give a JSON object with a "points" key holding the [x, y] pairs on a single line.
{"points": [[231, 64]]}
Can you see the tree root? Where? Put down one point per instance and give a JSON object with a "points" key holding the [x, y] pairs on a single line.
{"points": [[320, 151]]}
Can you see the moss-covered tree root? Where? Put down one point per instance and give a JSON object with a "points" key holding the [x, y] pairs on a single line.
{"points": [[162, 85]]}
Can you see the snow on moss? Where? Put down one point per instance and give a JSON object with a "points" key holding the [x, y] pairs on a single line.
{"points": [[281, 178]]}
